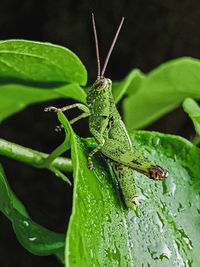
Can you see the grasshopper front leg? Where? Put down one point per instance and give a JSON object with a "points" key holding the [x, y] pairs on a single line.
{"points": [[86, 112], [101, 121], [83, 115], [63, 109]]}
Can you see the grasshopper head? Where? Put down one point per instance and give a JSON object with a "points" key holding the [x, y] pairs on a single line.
{"points": [[102, 84]]}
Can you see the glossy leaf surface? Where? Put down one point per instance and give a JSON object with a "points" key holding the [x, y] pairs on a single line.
{"points": [[32, 72], [34, 237], [165, 230], [150, 96]]}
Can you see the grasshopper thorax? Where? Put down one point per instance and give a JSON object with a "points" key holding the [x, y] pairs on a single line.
{"points": [[102, 83]]}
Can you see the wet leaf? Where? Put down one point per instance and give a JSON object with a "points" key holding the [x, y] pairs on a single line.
{"points": [[32, 72], [34, 237], [152, 95], [30, 61], [129, 85], [164, 231]]}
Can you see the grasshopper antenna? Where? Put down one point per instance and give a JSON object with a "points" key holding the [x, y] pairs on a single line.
{"points": [[96, 46], [111, 48]]}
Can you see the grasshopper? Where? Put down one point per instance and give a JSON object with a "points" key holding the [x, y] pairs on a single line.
{"points": [[108, 129], [125, 178]]}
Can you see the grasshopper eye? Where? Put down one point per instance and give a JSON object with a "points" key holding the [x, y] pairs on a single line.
{"points": [[101, 84]]}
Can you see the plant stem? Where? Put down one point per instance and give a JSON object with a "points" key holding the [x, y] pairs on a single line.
{"points": [[32, 157]]}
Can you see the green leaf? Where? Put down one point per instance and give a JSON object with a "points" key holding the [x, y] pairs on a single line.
{"points": [[165, 229], [160, 91], [8, 200], [68, 129], [15, 97], [39, 62], [193, 110], [129, 85], [47, 163], [34, 237], [32, 72], [5, 195]]}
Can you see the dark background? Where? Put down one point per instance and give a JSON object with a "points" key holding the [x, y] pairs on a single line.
{"points": [[154, 31]]}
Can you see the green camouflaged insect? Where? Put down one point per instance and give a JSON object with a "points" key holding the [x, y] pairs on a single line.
{"points": [[125, 177], [108, 129]]}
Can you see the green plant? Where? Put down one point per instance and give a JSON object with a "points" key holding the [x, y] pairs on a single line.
{"points": [[165, 228]]}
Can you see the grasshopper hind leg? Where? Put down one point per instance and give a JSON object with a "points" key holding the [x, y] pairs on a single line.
{"points": [[157, 172], [125, 177]]}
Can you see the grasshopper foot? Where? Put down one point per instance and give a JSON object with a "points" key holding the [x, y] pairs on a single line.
{"points": [[49, 109], [158, 173], [136, 203], [90, 166], [58, 128], [133, 204]]}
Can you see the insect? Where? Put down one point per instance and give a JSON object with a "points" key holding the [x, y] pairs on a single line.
{"points": [[125, 178], [108, 129]]}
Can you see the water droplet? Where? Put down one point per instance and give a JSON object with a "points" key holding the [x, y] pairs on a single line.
{"points": [[179, 258], [156, 141], [169, 187], [108, 219], [91, 253], [158, 222], [160, 251], [188, 242], [185, 238], [175, 157], [141, 196], [181, 208], [173, 189], [32, 238], [26, 223], [198, 202]]}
